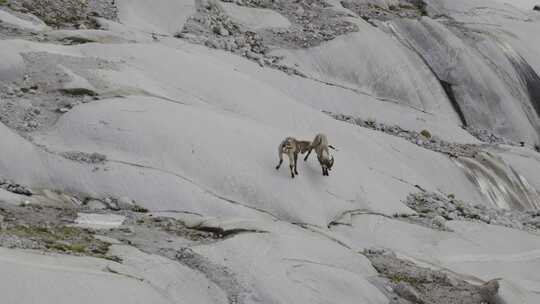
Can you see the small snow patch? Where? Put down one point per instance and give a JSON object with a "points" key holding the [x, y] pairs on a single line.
{"points": [[255, 18], [99, 221]]}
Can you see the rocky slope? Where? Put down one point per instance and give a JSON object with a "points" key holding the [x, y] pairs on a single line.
{"points": [[139, 144]]}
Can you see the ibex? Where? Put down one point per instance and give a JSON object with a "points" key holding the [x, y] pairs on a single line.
{"points": [[291, 147], [320, 144]]}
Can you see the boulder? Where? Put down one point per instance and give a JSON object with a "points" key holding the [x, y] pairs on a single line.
{"points": [[96, 205]]}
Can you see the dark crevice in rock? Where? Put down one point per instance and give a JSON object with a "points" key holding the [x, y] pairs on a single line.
{"points": [[74, 40], [448, 89], [227, 233], [446, 86], [114, 271], [79, 92]]}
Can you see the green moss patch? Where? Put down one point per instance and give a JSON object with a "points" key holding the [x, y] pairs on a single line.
{"points": [[63, 239]]}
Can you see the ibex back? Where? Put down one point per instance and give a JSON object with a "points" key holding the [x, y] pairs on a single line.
{"points": [[290, 146]]}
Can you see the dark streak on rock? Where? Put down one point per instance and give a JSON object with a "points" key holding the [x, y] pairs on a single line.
{"points": [[529, 77], [448, 89]]}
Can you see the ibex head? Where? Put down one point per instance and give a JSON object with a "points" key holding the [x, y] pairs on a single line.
{"points": [[326, 162], [330, 163]]}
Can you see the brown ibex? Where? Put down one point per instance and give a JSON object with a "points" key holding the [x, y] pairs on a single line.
{"points": [[290, 146], [320, 144]]}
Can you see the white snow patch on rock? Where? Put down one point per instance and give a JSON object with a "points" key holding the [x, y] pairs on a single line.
{"points": [[99, 221], [164, 16], [255, 18]]}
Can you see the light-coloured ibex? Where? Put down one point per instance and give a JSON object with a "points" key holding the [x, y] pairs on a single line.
{"points": [[290, 146], [320, 144]]}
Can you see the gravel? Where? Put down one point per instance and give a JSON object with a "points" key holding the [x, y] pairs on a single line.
{"points": [[435, 209], [67, 13], [38, 98], [403, 9], [490, 137], [313, 22], [83, 157], [405, 282], [423, 138]]}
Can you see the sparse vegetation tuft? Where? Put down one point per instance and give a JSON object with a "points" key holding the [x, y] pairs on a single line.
{"points": [[426, 134], [63, 239]]}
